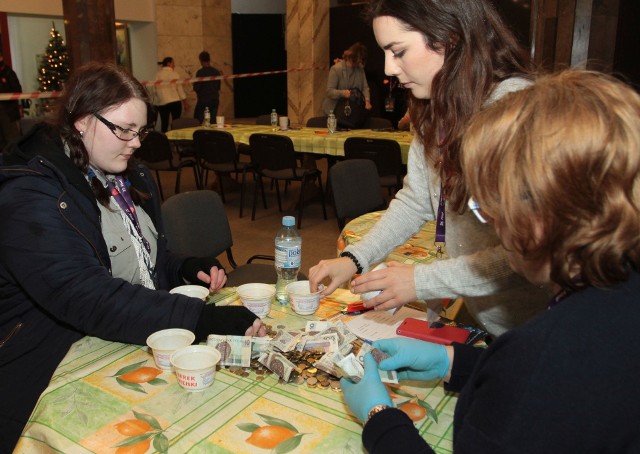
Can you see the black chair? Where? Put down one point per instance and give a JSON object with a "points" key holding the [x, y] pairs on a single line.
{"points": [[317, 122], [385, 153], [276, 159], [196, 225], [184, 147], [156, 153], [216, 151], [377, 123], [356, 189]]}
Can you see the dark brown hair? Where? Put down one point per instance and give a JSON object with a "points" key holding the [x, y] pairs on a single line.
{"points": [[479, 51], [91, 89], [557, 166]]}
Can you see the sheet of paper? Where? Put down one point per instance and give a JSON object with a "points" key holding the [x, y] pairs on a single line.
{"points": [[376, 325]]}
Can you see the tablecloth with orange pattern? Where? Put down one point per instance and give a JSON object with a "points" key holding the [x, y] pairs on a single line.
{"points": [[108, 396]]}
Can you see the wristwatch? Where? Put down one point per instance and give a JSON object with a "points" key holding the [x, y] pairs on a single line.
{"points": [[375, 410]]}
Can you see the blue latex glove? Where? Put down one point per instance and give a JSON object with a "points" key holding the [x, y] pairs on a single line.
{"points": [[414, 359], [369, 392]]}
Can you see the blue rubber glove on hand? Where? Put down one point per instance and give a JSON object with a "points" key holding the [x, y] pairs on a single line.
{"points": [[414, 359], [369, 392]]}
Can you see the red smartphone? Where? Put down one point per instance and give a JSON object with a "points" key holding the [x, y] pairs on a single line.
{"points": [[419, 329]]}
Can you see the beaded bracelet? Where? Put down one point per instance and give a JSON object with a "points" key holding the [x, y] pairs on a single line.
{"points": [[354, 260]]}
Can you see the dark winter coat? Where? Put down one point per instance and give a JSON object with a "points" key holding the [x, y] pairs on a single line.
{"points": [[55, 274]]}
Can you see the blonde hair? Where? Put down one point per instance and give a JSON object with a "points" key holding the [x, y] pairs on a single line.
{"points": [[563, 156]]}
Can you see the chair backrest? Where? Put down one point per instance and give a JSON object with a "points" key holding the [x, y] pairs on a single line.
{"points": [[184, 122], [385, 153], [215, 147], [263, 119], [196, 224], [356, 189], [272, 152], [317, 122], [155, 148], [377, 123]]}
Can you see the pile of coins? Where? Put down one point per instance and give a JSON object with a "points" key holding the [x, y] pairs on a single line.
{"points": [[306, 372]]}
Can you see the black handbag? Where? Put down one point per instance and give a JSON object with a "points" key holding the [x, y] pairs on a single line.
{"points": [[351, 112]]}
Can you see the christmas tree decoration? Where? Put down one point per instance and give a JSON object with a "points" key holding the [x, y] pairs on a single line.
{"points": [[54, 66]]}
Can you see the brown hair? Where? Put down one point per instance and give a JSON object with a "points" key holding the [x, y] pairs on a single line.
{"points": [[479, 51], [356, 53], [564, 153], [93, 88]]}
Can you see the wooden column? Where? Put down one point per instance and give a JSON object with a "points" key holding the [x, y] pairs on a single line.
{"points": [[574, 33], [90, 31], [307, 44]]}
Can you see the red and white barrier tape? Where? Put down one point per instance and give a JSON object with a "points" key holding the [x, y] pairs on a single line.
{"points": [[153, 83]]}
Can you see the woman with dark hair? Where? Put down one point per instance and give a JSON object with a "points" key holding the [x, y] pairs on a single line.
{"points": [[455, 57], [83, 251], [170, 95], [346, 74], [556, 169]]}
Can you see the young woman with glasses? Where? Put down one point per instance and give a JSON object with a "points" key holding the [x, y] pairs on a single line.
{"points": [[82, 251]]}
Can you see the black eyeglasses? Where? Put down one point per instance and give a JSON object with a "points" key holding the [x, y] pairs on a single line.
{"points": [[123, 133]]}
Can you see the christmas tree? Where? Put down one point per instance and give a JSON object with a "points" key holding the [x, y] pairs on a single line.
{"points": [[54, 67]]}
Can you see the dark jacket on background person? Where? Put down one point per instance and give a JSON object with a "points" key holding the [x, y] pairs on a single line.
{"points": [[54, 236], [9, 83], [565, 382]]}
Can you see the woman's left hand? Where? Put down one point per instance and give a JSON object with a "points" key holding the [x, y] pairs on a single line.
{"points": [[367, 105], [216, 278], [396, 282], [361, 397]]}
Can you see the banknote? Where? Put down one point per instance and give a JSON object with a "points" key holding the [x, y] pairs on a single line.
{"points": [[286, 341], [234, 350], [326, 343], [349, 367], [278, 364], [327, 363], [317, 326], [387, 376], [259, 345]]}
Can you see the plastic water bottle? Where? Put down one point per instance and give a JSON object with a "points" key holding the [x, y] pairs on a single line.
{"points": [[274, 118], [332, 122], [207, 118], [288, 254]]}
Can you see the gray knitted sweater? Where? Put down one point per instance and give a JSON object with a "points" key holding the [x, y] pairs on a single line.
{"points": [[476, 269]]}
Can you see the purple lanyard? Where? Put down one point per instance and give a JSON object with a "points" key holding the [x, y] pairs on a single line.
{"points": [[440, 219], [125, 202]]}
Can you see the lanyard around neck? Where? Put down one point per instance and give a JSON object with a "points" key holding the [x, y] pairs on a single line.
{"points": [[123, 198]]}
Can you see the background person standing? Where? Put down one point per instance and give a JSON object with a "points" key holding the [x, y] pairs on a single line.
{"points": [[169, 96], [9, 110], [208, 93]]}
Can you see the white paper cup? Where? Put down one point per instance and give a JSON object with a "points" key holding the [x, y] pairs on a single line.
{"points": [[220, 121], [195, 366], [366, 296], [284, 123], [302, 301], [195, 291], [257, 298], [163, 343]]}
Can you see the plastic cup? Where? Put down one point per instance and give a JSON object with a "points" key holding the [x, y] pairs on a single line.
{"points": [[257, 298], [163, 343], [195, 291], [302, 301], [284, 123], [220, 121], [195, 366]]}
